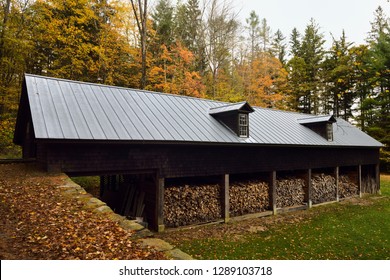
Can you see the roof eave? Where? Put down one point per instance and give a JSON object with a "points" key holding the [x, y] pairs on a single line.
{"points": [[170, 142]]}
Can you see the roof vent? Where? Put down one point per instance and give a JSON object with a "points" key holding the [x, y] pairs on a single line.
{"points": [[322, 125], [235, 116]]}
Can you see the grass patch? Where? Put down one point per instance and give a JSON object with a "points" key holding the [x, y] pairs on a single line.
{"points": [[385, 185], [352, 229]]}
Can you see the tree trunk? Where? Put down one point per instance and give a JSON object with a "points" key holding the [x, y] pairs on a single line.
{"points": [[141, 18]]}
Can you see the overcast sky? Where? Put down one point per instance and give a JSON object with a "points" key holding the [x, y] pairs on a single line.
{"points": [[354, 16]]}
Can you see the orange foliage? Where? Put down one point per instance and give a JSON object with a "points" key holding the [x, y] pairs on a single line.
{"points": [[266, 82], [171, 72]]}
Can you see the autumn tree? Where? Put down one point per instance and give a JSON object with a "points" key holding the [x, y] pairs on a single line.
{"points": [[172, 73], [268, 82], [111, 53], [63, 38], [14, 50]]}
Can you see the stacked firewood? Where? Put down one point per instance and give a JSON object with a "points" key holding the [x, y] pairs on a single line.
{"points": [[248, 197], [369, 185], [323, 188], [347, 187], [184, 205], [289, 192]]}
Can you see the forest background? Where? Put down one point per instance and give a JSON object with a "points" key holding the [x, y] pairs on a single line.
{"points": [[195, 48]]}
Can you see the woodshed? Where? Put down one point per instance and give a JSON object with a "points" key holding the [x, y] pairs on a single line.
{"points": [[177, 160]]}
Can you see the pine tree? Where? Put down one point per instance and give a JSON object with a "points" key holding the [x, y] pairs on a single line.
{"points": [[163, 23], [297, 80], [279, 47], [379, 123], [378, 26], [253, 26], [295, 43], [363, 73], [339, 97], [312, 52], [188, 26]]}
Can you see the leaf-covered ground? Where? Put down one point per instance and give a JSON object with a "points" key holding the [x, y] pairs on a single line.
{"points": [[37, 221]]}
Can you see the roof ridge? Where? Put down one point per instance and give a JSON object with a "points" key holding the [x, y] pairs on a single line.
{"points": [[127, 88], [225, 103]]}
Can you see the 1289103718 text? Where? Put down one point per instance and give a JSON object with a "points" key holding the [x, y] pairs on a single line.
{"points": [[216, 271]]}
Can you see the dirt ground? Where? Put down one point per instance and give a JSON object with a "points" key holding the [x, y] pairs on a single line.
{"points": [[37, 221]]}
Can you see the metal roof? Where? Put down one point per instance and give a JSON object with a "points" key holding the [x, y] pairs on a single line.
{"points": [[63, 109], [317, 119], [240, 106]]}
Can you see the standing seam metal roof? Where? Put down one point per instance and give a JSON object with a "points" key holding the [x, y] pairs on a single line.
{"points": [[64, 109]]}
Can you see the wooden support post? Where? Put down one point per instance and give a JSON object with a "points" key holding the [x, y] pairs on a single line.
{"points": [[308, 188], [225, 184], [360, 180], [378, 178], [272, 191], [336, 175], [159, 215]]}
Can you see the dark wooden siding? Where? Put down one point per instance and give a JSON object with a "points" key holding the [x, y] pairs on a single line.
{"points": [[196, 160]]}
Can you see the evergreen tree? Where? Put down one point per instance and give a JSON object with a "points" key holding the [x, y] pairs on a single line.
{"points": [[363, 74], [253, 26], [297, 80], [378, 26], [188, 22], [379, 120], [312, 52], [295, 43], [278, 47], [339, 97], [163, 23]]}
